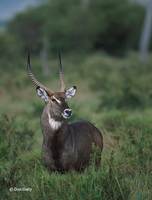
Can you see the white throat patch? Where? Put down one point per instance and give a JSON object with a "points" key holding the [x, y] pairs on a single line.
{"points": [[55, 125]]}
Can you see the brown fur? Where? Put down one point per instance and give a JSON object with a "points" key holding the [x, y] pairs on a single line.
{"points": [[69, 147], [65, 146]]}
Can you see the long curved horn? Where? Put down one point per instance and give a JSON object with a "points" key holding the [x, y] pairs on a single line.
{"points": [[61, 75], [32, 77]]}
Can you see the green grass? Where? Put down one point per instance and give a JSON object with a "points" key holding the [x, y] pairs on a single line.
{"points": [[126, 168]]}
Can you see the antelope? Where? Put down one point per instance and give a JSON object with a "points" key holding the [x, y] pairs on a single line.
{"points": [[66, 146]]}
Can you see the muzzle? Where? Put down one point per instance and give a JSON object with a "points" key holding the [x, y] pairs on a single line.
{"points": [[67, 113]]}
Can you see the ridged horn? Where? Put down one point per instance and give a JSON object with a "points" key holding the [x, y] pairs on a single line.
{"points": [[61, 74], [32, 77]]}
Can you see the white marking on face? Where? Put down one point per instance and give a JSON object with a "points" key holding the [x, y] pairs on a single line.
{"points": [[55, 125], [59, 102], [65, 115]]}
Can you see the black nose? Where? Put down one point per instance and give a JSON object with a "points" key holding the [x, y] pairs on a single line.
{"points": [[68, 112]]}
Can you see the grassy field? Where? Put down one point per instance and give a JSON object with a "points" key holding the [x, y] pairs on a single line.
{"points": [[113, 93]]}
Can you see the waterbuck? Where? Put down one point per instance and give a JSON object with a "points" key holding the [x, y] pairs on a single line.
{"points": [[66, 146]]}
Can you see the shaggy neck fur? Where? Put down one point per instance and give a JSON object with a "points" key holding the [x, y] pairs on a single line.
{"points": [[55, 125]]}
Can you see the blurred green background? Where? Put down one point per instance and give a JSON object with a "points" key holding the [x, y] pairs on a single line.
{"points": [[106, 51]]}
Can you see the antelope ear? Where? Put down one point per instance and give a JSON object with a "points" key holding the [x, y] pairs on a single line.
{"points": [[42, 93], [71, 92]]}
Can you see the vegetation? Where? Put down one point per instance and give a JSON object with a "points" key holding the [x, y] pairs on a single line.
{"points": [[109, 25], [124, 118], [114, 93]]}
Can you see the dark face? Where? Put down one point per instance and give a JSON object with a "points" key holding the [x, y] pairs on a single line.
{"points": [[58, 107], [57, 102]]}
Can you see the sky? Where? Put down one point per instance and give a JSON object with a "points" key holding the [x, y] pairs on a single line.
{"points": [[8, 8]]}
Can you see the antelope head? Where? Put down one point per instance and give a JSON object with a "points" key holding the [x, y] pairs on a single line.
{"points": [[56, 102]]}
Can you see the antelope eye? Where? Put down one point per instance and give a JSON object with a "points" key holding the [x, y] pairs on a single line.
{"points": [[53, 99]]}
